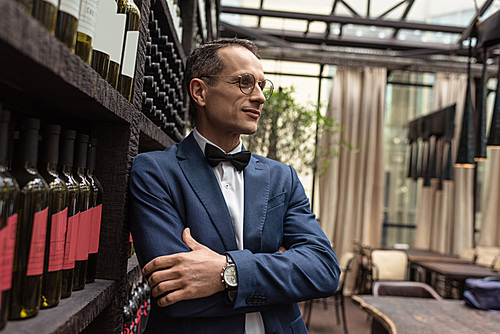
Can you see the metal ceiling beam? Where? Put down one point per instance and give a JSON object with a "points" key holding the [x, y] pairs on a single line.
{"points": [[353, 12], [387, 12], [254, 33], [341, 19], [468, 32], [289, 37], [357, 60], [403, 17]]}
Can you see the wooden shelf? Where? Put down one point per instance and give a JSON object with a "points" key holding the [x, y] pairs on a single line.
{"points": [[151, 136], [72, 314], [32, 58]]}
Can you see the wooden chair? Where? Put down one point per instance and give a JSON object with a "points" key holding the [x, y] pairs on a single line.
{"points": [[389, 265], [405, 289], [486, 256], [468, 254], [364, 270]]}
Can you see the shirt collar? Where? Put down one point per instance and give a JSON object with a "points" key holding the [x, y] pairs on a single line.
{"points": [[202, 141]]}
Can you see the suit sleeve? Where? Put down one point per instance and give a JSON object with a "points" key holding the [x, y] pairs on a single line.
{"points": [[156, 227], [307, 270]]}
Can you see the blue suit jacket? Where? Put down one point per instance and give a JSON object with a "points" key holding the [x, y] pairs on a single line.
{"points": [[176, 188]]}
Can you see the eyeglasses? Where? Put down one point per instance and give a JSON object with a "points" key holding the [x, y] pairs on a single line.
{"points": [[247, 84]]}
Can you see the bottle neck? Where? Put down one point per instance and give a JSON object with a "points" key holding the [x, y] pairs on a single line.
{"points": [[66, 169], [50, 167]]}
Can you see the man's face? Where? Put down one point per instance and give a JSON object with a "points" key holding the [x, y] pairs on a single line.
{"points": [[229, 112]]}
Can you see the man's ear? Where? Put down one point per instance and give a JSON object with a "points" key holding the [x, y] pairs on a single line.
{"points": [[197, 88]]}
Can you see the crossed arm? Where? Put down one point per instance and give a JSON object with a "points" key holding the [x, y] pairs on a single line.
{"points": [[184, 276]]}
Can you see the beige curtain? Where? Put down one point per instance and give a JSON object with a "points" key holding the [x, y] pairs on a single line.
{"points": [[445, 217], [351, 191], [490, 226]]}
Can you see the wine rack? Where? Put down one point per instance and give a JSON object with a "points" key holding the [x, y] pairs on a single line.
{"points": [[40, 77]]}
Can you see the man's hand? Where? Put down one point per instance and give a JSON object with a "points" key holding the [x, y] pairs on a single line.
{"points": [[184, 276]]}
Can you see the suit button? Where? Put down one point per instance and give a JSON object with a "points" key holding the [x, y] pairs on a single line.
{"points": [[250, 300]]}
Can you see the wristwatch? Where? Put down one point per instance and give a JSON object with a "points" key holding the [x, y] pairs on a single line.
{"points": [[229, 275]]}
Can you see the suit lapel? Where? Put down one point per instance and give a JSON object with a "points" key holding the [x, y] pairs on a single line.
{"points": [[257, 182], [204, 183]]}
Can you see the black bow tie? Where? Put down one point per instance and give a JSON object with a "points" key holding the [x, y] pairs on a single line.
{"points": [[215, 156]]}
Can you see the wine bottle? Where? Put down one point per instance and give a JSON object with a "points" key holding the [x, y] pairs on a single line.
{"points": [[96, 203], [9, 190], [27, 4], [129, 54], [84, 225], [85, 29], [102, 40], [67, 148], [115, 30], [67, 22], [57, 216], [32, 225], [46, 12]]}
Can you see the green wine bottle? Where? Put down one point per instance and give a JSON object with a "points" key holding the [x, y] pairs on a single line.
{"points": [[32, 225], [9, 190], [84, 225], [57, 217], [96, 203], [66, 153]]}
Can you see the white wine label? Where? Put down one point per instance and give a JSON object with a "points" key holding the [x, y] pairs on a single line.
{"points": [[118, 33], [54, 3], [96, 229], [71, 7], [37, 245], [82, 245], [58, 224], [130, 54], [87, 19], [106, 11]]}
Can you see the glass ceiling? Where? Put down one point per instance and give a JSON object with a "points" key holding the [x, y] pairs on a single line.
{"points": [[405, 26]]}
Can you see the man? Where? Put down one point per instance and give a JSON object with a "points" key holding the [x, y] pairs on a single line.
{"points": [[226, 248]]}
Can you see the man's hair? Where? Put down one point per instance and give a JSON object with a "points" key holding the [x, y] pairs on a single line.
{"points": [[205, 60]]}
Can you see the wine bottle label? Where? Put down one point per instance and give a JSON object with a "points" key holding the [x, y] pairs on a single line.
{"points": [[70, 244], [54, 3], [82, 245], [109, 30], [118, 33], [9, 244], [57, 235], [37, 245], [96, 229], [130, 54], [87, 19], [71, 7]]}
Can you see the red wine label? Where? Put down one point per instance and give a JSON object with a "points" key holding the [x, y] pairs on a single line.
{"points": [[82, 245], [70, 243], [9, 244], [57, 235], [95, 229], [37, 246]]}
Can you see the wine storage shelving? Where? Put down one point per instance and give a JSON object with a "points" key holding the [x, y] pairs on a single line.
{"points": [[41, 77]]}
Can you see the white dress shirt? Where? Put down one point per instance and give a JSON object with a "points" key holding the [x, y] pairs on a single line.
{"points": [[232, 185]]}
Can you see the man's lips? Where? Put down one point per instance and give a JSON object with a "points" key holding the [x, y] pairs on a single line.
{"points": [[252, 112]]}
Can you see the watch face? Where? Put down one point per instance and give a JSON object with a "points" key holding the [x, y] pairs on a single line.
{"points": [[230, 276]]}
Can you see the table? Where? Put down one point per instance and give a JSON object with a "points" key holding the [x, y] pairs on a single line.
{"points": [[402, 315], [454, 272], [415, 255]]}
